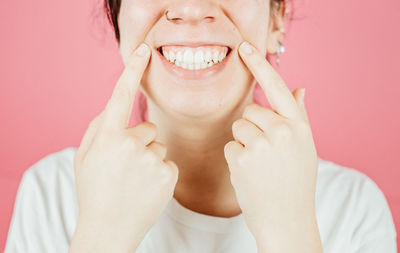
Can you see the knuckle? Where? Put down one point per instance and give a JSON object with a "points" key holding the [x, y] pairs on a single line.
{"points": [[100, 142], [160, 147], [105, 135], [152, 127], [283, 130], [242, 159], [150, 158], [132, 142], [250, 108], [237, 124], [146, 126], [105, 128], [260, 142]]}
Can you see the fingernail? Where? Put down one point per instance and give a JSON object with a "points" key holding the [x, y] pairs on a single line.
{"points": [[142, 50], [246, 48]]}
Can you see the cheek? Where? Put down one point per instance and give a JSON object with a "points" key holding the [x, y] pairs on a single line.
{"points": [[136, 19], [251, 18]]}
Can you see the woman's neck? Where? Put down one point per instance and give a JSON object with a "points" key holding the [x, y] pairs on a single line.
{"points": [[197, 148]]}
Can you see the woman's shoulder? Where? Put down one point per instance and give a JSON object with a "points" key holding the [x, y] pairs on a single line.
{"points": [[53, 173], [45, 209], [351, 205], [335, 179], [58, 162], [335, 176]]}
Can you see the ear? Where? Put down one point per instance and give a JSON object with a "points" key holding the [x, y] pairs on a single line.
{"points": [[276, 22]]}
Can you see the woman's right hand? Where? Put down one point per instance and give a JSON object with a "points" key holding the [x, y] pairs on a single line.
{"points": [[123, 183]]}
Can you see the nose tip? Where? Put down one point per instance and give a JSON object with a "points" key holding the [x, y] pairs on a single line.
{"points": [[192, 12]]}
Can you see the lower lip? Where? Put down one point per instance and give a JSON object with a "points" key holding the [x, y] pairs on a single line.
{"points": [[199, 74]]}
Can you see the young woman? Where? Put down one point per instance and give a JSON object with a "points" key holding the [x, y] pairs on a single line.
{"points": [[208, 170]]}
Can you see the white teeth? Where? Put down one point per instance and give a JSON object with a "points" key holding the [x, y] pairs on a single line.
{"points": [[215, 57], [221, 56], [194, 59], [165, 53], [188, 56], [207, 57], [179, 56], [171, 56], [198, 56]]}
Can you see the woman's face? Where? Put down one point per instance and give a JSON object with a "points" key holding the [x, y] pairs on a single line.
{"points": [[214, 25]]}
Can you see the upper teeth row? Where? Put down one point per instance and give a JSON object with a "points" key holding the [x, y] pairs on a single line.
{"points": [[200, 56]]}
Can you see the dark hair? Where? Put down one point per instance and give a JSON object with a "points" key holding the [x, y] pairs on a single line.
{"points": [[112, 7]]}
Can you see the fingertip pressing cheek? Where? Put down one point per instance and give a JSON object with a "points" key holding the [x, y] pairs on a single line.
{"points": [[135, 20]]}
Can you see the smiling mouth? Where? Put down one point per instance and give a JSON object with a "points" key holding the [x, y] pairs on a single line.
{"points": [[195, 58]]}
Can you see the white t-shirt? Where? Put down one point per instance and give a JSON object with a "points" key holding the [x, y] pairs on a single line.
{"points": [[352, 215]]}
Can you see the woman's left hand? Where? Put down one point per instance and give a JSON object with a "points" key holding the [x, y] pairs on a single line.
{"points": [[273, 164]]}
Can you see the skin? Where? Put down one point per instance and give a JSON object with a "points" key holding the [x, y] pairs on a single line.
{"points": [[232, 156], [195, 129]]}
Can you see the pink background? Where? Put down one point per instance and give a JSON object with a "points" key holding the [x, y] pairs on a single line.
{"points": [[59, 65]]}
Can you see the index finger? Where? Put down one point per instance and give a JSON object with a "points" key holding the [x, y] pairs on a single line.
{"points": [[278, 94], [119, 106]]}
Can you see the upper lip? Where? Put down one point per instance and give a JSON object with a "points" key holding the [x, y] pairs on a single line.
{"points": [[194, 44]]}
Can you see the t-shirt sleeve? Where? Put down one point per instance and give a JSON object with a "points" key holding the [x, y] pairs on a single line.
{"points": [[18, 234], [30, 229], [44, 214], [373, 222], [385, 242]]}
